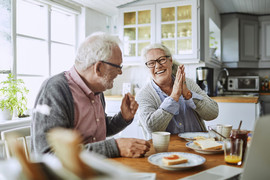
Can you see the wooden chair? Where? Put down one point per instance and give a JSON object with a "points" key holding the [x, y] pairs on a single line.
{"points": [[22, 134], [3, 154]]}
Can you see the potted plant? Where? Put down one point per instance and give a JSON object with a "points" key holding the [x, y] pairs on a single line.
{"points": [[13, 96], [212, 44]]}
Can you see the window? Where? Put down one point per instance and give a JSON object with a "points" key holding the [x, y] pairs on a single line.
{"points": [[5, 39], [214, 40], [45, 43]]}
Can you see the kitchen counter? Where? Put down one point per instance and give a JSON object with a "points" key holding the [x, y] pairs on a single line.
{"points": [[236, 99], [230, 99], [232, 109], [114, 98], [265, 93]]}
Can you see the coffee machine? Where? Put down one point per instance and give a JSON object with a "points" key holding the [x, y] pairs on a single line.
{"points": [[204, 78]]}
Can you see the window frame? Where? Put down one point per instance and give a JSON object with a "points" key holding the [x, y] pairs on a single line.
{"points": [[70, 9]]}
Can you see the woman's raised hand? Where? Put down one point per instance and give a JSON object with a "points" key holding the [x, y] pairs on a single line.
{"points": [[178, 85]]}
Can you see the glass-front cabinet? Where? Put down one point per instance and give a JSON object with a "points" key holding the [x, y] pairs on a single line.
{"points": [[177, 28], [137, 32], [173, 24]]}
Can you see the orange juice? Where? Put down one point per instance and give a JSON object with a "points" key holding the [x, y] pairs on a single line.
{"points": [[232, 159]]}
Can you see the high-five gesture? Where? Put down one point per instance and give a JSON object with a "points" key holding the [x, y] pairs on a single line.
{"points": [[178, 85], [186, 92], [128, 107]]}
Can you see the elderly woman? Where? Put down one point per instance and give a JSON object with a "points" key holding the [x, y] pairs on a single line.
{"points": [[171, 103]]}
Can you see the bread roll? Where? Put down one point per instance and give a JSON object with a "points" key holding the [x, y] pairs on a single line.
{"points": [[208, 144], [66, 144], [174, 159]]}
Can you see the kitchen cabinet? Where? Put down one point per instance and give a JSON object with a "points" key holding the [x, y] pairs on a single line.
{"points": [[113, 104], [136, 31], [233, 113], [264, 41], [172, 23], [265, 102], [240, 36], [177, 28]]}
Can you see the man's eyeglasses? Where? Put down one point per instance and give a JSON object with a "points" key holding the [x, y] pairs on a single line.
{"points": [[114, 65], [160, 60]]}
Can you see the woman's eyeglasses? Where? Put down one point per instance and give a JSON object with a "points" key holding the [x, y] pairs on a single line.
{"points": [[160, 60]]}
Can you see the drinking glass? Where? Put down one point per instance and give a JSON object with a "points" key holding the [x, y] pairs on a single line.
{"points": [[233, 151]]}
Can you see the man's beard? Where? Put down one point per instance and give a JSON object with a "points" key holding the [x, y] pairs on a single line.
{"points": [[106, 82]]}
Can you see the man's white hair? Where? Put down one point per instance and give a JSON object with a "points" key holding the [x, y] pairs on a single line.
{"points": [[96, 47]]}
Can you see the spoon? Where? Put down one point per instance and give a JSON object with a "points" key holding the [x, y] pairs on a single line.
{"points": [[239, 126], [211, 129]]}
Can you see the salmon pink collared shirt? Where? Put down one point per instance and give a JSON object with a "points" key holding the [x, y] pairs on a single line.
{"points": [[89, 118]]}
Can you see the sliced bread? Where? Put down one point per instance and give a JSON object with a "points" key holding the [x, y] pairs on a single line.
{"points": [[174, 159], [208, 144]]}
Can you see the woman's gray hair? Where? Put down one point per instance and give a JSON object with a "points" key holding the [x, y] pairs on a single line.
{"points": [[96, 47], [146, 49]]}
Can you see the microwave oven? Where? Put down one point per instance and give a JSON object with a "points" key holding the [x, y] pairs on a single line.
{"points": [[243, 83]]}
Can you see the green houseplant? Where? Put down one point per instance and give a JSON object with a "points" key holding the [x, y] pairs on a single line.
{"points": [[13, 95], [212, 44]]}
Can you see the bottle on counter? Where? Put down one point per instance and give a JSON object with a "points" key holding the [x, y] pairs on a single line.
{"points": [[266, 84], [262, 86]]}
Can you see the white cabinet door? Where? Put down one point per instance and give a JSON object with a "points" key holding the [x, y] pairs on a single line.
{"points": [[131, 131], [265, 38], [233, 113], [177, 28], [136, 31], [172, 23], [249, 40], [240, 40]]}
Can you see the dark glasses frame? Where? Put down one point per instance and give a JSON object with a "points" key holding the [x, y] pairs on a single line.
{"points": [[157, 61], [114, 65]]}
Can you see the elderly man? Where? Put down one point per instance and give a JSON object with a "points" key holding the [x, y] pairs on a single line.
{"points": [[73, 99], [171, 102]]}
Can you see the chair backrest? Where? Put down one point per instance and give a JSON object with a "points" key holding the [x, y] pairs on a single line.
{"points": [[23, 134], [3, 154]]}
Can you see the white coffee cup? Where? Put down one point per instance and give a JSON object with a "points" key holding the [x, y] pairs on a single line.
{"points": [[161, 141], [224, 129]]}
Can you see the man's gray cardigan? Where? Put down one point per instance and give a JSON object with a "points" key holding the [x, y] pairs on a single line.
{"points": [[54, 108]]}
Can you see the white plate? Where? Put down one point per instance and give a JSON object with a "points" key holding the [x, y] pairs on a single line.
{"points": [[189, 136], [193, 160], [198, 149]]}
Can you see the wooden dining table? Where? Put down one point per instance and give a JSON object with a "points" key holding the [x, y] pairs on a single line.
{"points": [[177, 144]]}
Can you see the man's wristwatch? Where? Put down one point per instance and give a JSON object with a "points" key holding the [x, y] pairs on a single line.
{"points": [[188, 95]]}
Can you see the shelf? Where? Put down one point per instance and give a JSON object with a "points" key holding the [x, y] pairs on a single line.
{"points": [[15, 123]]}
